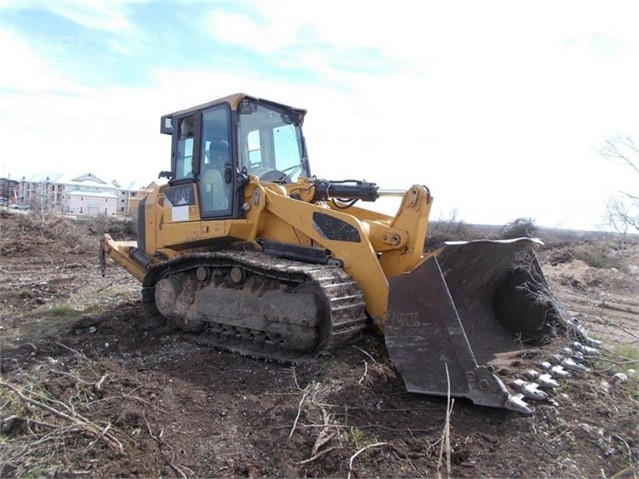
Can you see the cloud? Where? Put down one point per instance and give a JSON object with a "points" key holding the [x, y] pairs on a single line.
{"points": [[494, 115], [249, 32], [29, 72], [109, 16]]}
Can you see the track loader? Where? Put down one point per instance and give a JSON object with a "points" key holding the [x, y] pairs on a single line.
{"points": [[246, 248]]}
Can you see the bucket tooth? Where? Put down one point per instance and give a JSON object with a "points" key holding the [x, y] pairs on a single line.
{"points": [[593, 342], [556, 371], [532, 374], [546, 381], [569, 364], [578, 356], [559, 372], [573, 354], [516, 403], [486, 389], [575, 366], [587, 351], [580, 333], [529, 390]]}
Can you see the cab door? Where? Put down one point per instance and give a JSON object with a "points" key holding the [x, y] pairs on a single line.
{"points": [[215, 175]]}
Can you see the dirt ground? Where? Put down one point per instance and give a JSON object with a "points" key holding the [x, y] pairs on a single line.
{"points": [[89, 390]]}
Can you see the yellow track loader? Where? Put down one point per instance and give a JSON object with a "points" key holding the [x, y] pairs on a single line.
{"points": [[245, 247]]}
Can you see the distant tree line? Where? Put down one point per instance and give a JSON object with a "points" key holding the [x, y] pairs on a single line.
{"points": [[622, 212]]}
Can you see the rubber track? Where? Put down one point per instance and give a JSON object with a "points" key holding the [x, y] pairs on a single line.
{"points": [[341, 293]]}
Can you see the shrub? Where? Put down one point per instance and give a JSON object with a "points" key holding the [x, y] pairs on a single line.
{"points": [[521, 227], [599, 255], [120, 228], [439, 232]]}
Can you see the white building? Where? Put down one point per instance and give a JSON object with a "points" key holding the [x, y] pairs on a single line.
{"points": [[84, 194]]}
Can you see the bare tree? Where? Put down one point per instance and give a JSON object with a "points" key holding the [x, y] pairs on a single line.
{"points": [[622, 213]]}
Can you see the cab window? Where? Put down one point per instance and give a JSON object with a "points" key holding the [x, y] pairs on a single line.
{"points": [[185, 145], [271, 145]]}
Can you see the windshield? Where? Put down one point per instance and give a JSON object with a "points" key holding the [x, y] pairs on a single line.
{"points": [[271, 144]]}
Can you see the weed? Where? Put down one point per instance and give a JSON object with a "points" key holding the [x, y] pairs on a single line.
{"points": [[39, 391], [628, 353], [563, 386], [359, 438], [36, 473], [9, 404], [63, 311], [26, 293], [93, 309]]}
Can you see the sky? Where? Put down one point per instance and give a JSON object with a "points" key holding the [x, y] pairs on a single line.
{"points": [[499, 107]]}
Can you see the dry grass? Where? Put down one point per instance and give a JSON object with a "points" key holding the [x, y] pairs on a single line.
{"points": [[46, 411]]}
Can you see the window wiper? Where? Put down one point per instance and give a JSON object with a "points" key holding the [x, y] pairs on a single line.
{"points": [[286, 177]]}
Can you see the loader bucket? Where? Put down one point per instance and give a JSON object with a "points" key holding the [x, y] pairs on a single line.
{"points": [[451, 318]]}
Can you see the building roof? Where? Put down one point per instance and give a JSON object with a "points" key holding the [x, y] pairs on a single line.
{"points": [[81, 179]]}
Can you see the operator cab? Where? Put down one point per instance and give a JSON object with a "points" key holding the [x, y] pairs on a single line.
{"points": [[216, 146]]}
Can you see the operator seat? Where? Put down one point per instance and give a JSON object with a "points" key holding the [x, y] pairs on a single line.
{"points": [[214, 189]]}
